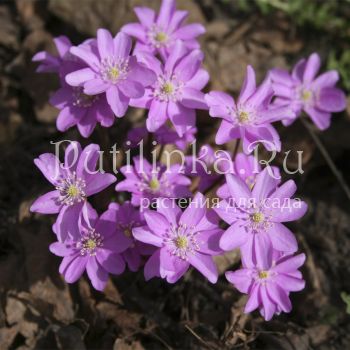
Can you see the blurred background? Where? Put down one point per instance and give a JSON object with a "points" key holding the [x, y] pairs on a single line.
{"points": [[39, 310]]}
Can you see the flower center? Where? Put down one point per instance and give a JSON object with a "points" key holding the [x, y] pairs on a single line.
{"points": [[128, 232], [161, 37], [83, 100], [154, 184], [71, 190], [90, 242], [306, 95], [258, 217], [157, 37], [114, 69], [181, 241], [243, 117], [263, 274], [168, 89]]}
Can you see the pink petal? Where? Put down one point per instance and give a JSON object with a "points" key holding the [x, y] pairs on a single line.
{"points": [[249, 85], [156, 222], [104, 43], [331, 100], [320, 118], [189, 31], [47, 203], [264, 185], [122, 45], [195, 211], [97, 274], [86, 55], [326, 79], [95, 87], [240, 279], [189, 65], [199, 80], [205, 265], [234, 237], [75, 268], [152, 266], [226, 133], [167, 8], [253, 300], [131, 89], [80, 76], [282, 238], [145, 235], [50, 167], [238, 189], [193, 98], [111, 262], [290, 283], [312, 67], [117, 101], [136, 30], [279, 296], [290, 264]]}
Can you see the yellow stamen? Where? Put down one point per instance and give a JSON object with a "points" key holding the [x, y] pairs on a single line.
{"points": [[263, 274], [73, 191], [127, 232], [168, 88], [181, 242], [161, 37], [258, 217], [113, 73], [243, 117], [90, 244], [306, 95], [154, 184]]}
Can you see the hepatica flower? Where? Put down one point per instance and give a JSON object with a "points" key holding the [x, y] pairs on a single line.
{"points": [[147, 183], [256, 216], [158, 33], [93, 245], [250, 117], [303, 91], [268, 283], [176, 92], [127, 217], [182, 239], [76, 108], [111, 70], [51, 63], [246, 168], [74, 181]]}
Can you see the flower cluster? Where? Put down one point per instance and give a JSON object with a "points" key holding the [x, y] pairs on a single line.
{"points": [[156, 65]]}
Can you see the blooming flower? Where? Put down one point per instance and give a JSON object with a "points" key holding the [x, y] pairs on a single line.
{"points": [[94, 245], [76, 108], [302, 91], [146, 183], [127, 217], [49, 62], [182, 238], [111, 70], [256, 215], [250, 118], [176, 92], [163, 136], [268, 283], [74, 181], [158, 33], [247, 168], [208, 166]]}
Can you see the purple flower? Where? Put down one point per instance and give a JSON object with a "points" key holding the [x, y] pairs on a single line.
{"points": [[302, 91], [247, 168], [250, 118], [268, 283], [93, 245], [163, 136], [182, 239], [177, 91], [127, 217], [111, 70], [76, 108], [51, 63], [208, 166], [147, 184], [74, 181], [158, 33], [256, 215]]}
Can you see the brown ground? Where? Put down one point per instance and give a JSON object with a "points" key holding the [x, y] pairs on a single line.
{"points": [[39, 310]]}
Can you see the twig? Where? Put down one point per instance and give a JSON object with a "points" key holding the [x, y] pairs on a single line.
{"points": [[197, 336], [327, 157]]}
